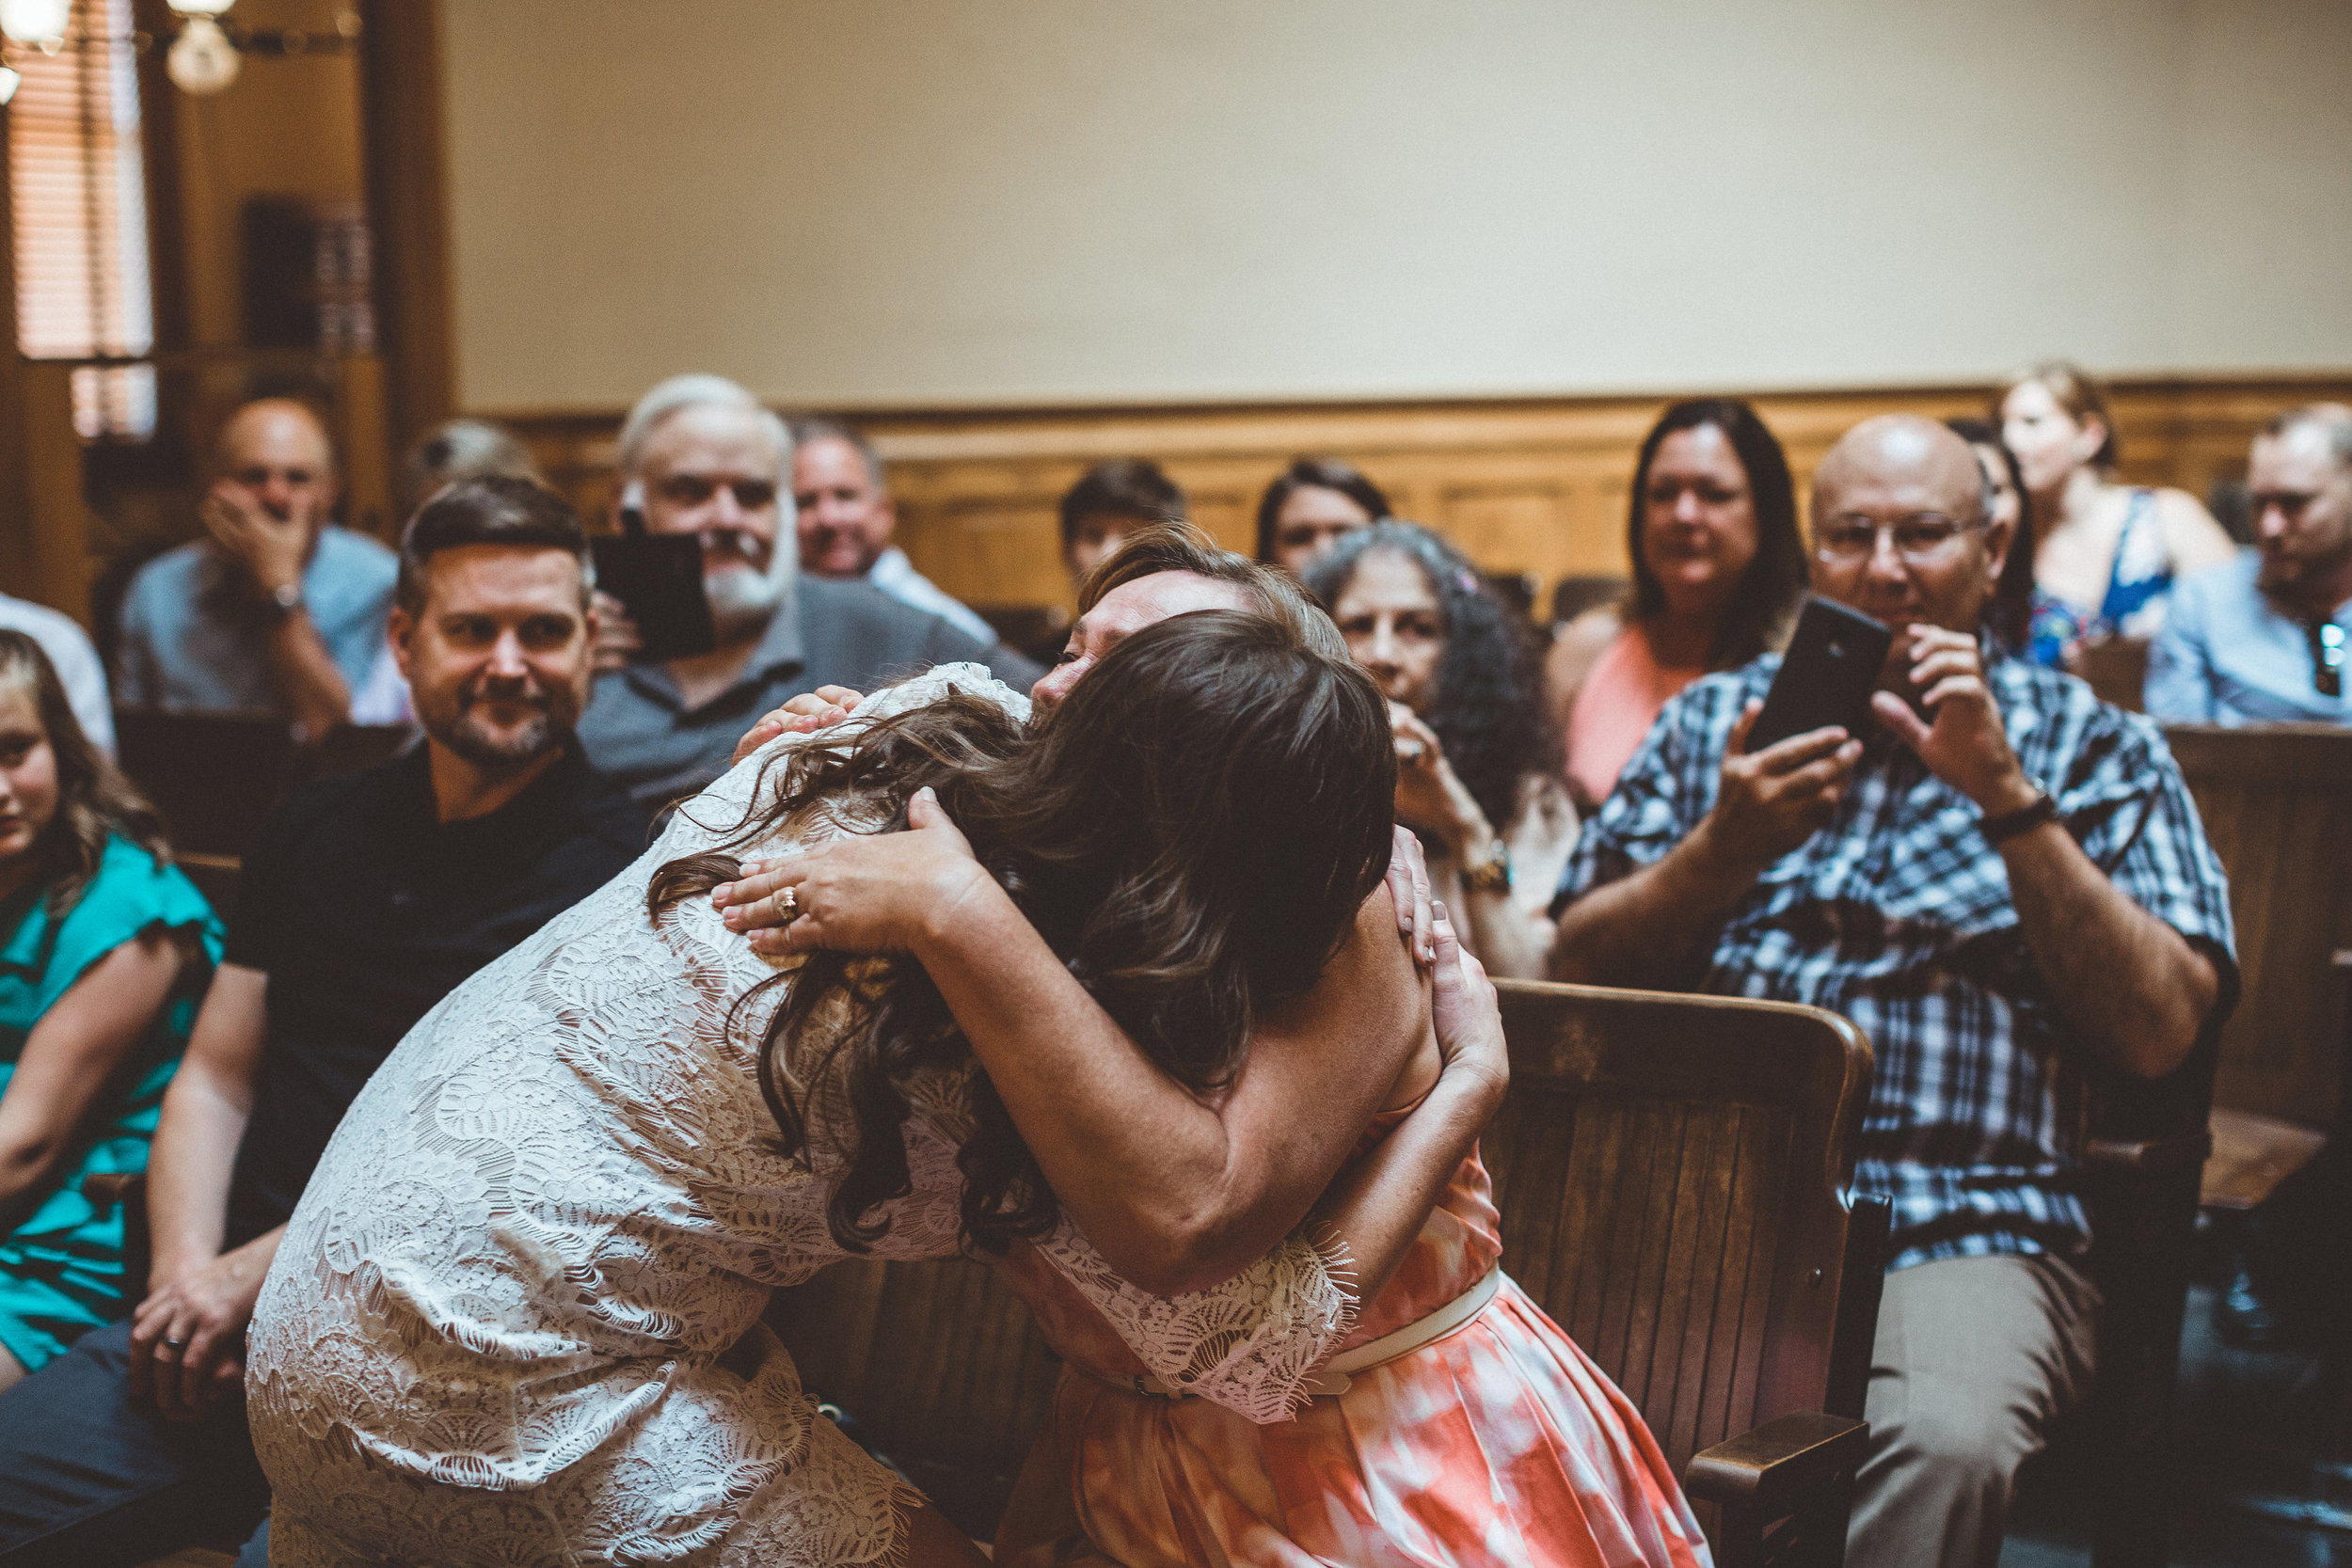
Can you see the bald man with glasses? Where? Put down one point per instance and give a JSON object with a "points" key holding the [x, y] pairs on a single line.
{"points": [[2001, 879]]}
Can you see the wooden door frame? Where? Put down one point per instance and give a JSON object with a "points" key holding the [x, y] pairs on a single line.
{"points": [[400, 106]]}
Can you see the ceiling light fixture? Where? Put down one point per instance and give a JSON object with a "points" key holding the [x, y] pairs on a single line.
{"points": [[202, 61], [36, 21]]}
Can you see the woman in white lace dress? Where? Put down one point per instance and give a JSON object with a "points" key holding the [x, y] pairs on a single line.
{"points": [[514, 1320]]}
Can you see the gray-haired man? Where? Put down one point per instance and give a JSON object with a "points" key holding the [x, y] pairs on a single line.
{"points": [[700, 455]]}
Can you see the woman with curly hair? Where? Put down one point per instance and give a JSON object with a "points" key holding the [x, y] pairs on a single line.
{"points": [[1477, 765], [104, 948]]}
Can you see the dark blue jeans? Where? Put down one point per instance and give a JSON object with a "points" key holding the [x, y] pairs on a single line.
{"points": [[92, 1479]]}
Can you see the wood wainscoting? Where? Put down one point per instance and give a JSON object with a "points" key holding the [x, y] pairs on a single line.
{"points": [[1533, 485]]}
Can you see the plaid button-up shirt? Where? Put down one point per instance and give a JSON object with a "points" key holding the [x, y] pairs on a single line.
{"points": [[1897, 914]]}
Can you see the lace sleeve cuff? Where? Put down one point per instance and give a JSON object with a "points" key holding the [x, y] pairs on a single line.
{"points": [[1248, 1344]]}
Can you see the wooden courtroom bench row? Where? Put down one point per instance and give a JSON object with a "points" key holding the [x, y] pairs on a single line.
{"points": [[1670, 1173]]}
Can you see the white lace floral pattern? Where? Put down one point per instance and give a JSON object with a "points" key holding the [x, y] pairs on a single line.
{"points": [[514, 1320]]}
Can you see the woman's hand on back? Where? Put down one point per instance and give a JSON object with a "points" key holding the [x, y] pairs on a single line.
{"points": [[1468, 1019], [862, 893], [1409, 885], [803, 715]]}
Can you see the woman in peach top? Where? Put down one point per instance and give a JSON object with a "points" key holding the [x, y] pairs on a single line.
{"points": [[1718, 570]]}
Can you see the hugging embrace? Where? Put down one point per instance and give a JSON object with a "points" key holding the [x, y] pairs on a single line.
{"points": [[1105, 987]]}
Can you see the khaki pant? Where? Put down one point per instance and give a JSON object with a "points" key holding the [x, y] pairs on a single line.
{"points": [[1975, 1358]]}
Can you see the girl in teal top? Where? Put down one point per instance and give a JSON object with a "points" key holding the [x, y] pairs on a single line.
{"points": [[104, 950]]}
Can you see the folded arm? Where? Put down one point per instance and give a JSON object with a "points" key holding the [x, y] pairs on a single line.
{"points": [[1177, 1192], [1252, 1343], [187, 1335], [69, 1056]]}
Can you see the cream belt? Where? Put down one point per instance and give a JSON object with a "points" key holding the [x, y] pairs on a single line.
{"points": [[1335, 1375]]}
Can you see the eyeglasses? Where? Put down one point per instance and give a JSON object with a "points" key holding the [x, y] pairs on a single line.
{"points": [[751, 495], [1922, 539], [2327, 657]]}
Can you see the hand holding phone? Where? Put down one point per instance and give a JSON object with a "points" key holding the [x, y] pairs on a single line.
{"points": [[658, 579], [1826, 678]]}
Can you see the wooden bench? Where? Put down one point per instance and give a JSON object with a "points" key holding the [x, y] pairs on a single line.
{"points": [[1670, 1172]]}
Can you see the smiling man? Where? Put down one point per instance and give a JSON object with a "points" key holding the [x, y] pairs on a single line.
{"points": [[1998, 894], [368, 898]]}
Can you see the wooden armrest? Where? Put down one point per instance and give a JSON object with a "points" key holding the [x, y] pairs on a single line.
{"points": [[2149, 1156], [1770, 1470], [104, 1189]]}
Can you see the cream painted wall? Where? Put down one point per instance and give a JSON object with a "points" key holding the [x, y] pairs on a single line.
{"points": [[948, 202]]}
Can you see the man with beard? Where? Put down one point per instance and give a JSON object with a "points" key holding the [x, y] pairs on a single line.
{"points": [[2263, 639], [368, 898], [700, 455]]}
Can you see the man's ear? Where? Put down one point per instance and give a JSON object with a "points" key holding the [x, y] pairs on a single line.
{"points": [[398, 628], [2093, 437], [1999, 535]]}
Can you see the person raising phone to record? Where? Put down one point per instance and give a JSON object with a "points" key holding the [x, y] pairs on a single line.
{"points": [[1999, 886], [700, 455]]}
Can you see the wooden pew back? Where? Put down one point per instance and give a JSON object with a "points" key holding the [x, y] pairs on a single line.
{"points": [[1671, 1174], [2277, 803], [940, 1365]]}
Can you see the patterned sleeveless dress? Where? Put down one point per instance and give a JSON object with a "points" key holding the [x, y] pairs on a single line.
{"points": [[1497, 1446], [2138, 584]]}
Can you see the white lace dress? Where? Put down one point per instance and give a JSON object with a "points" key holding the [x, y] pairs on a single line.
{"points": [[515, 1316]]}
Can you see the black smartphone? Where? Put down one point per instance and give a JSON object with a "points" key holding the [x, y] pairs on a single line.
{"points": [[1827, 676], [659, 578]]}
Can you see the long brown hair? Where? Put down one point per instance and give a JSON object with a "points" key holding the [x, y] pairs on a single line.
{"points": [[94, 800], [1765, 601], [1191, 830]]}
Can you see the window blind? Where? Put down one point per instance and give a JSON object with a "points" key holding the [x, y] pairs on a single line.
{"points": [[78, 188]]}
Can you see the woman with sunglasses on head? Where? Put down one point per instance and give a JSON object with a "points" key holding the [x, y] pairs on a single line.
{"points": [[2108, 553], [516, 1319]]}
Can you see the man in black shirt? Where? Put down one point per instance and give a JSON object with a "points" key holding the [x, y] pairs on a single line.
{"points": [[369, 899]]}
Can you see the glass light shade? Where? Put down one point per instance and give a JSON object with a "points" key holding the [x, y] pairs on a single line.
{"points": [[33, 21], [8, 79], [202, 8], [202, 61]]}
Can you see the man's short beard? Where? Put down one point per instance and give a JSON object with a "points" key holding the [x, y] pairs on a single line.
{"points": [[743, 599], [498, 752]]}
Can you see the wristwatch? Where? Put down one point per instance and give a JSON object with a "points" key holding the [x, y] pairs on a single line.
{"points": [[1491, 875], [2025, 819], [287, 599]]}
